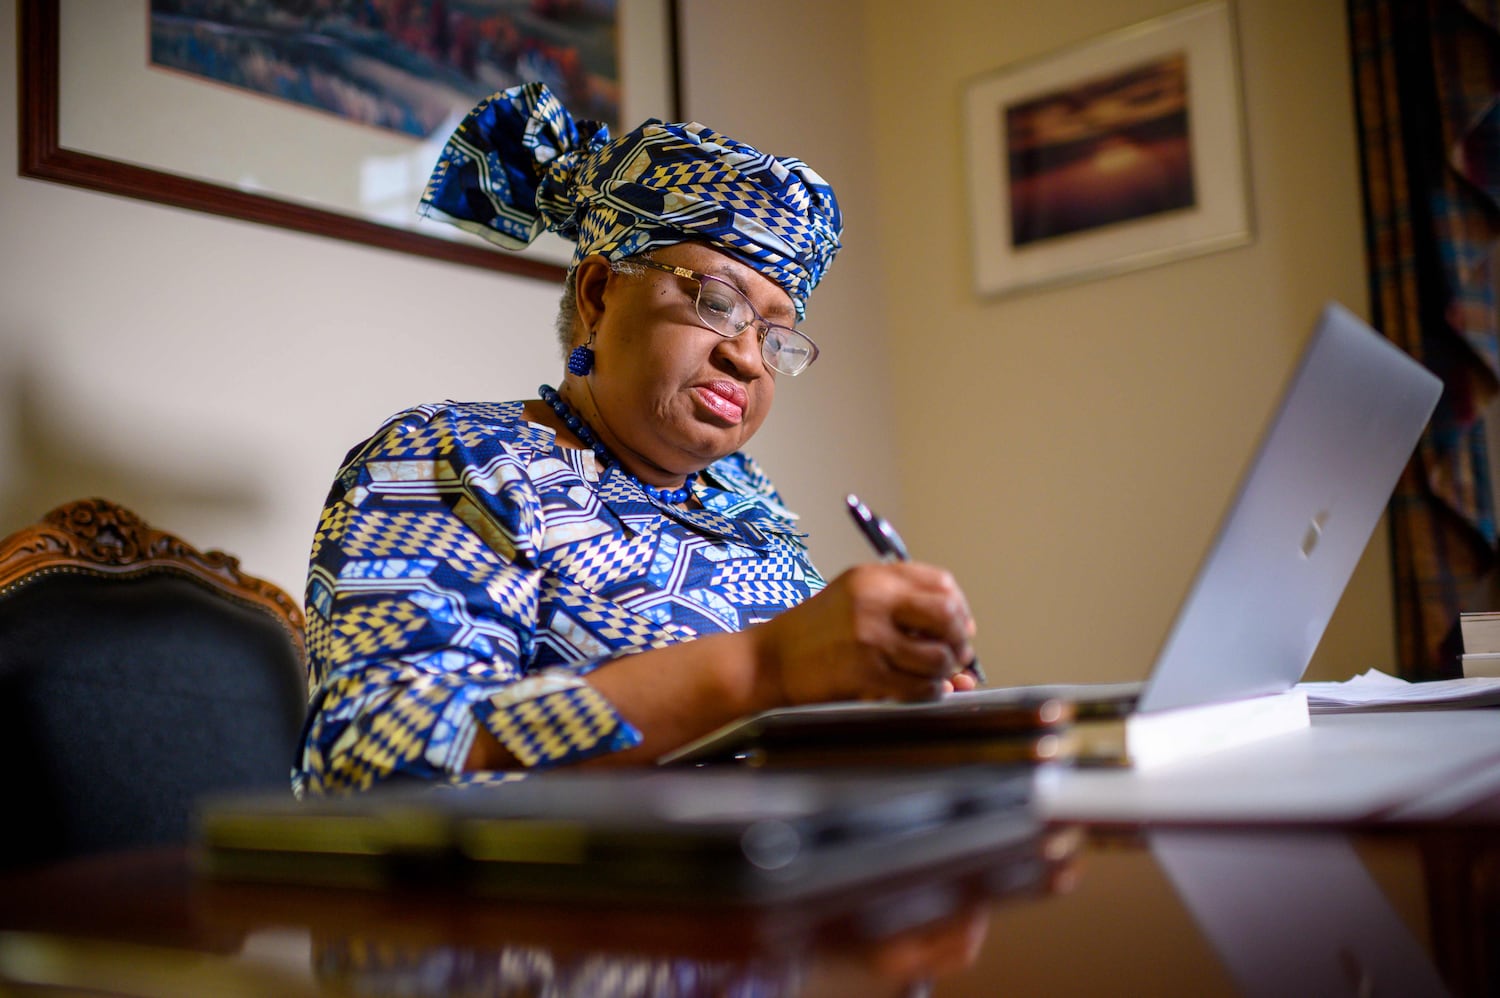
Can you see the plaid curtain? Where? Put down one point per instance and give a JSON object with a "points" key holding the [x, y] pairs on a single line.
{"points": [[1427, 93]]}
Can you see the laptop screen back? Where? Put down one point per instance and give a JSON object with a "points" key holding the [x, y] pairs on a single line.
{"points": [[1351, 415]]}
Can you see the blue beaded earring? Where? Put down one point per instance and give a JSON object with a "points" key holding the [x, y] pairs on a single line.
{"points": [[581, 360]]}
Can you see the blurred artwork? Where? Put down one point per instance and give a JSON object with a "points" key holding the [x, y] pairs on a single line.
{"points": [[1103, 151], [409, 66]]}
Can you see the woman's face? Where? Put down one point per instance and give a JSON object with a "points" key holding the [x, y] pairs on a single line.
{"points": [[668, 395]]}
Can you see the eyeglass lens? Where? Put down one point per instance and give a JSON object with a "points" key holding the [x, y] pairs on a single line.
{"points": [[726, 310]]}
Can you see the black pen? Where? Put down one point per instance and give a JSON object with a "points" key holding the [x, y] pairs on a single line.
{"points": [[890, 547]]}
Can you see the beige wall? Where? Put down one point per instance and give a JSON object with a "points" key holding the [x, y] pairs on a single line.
{"points": [[1066, 452]]}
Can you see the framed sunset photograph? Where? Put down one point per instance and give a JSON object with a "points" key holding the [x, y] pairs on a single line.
{"points": [[1119, 153]]}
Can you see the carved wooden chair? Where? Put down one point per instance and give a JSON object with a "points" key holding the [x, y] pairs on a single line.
{"points": [[136, 674]]}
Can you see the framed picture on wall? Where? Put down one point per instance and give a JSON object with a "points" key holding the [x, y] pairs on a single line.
{"points": [[1121, 152], [321, 118]]}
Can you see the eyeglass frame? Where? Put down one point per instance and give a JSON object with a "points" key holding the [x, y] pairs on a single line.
{"points": [[763, 326]]}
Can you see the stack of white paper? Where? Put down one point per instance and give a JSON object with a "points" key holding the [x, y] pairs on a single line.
{"points": [[1375, 690]]}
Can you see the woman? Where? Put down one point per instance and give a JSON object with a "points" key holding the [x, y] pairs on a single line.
{"points": [[601, 575]]}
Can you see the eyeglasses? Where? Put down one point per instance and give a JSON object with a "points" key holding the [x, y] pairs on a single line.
{"points": [[723, 308]]}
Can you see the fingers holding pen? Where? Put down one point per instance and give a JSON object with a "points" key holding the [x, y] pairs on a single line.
{"points": [[926, 630], [882, 630], [937, 614], [890, 547]]}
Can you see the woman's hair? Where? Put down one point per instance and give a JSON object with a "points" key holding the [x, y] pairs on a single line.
{"points": [[567, 311], [567, 306]]}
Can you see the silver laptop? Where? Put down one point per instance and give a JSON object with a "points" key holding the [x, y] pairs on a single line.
{"points": [[1348, 422], [1350, 417]]}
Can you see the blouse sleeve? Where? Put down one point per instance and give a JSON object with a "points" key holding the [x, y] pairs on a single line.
{"points": [[422, 605]]}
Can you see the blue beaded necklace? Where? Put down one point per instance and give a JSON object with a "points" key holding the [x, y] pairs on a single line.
{"points": [[565, 412]]}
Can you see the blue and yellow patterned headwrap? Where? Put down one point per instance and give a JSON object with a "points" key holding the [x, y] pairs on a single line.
{"points": [[519, 164]]}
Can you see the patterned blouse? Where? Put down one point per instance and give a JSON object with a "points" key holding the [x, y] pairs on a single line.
{"points": [[467, 570]]}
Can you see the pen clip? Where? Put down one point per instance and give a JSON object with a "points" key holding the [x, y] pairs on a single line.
{"points": [[895, 546]]}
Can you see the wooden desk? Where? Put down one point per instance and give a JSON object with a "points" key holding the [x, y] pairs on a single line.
{"points": [[1404, 907]]}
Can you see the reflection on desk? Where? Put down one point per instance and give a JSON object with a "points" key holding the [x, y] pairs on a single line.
{"points": [[148, 909], [1197, 912], [1300, 915]]}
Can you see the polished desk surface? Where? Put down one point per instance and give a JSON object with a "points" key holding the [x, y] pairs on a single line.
{"points": [[1402, 908]]}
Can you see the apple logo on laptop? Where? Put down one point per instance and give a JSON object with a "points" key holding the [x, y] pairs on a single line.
{"points": [[1314, 532]]}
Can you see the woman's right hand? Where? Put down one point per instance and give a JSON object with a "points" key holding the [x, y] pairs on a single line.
{"points": [[880, 631]]}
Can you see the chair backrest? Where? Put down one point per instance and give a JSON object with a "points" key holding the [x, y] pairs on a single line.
{"points": [[136, 674]]}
